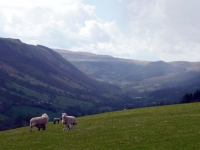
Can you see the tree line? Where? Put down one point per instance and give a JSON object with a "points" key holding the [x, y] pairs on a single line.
{"points": [[191, 97]]}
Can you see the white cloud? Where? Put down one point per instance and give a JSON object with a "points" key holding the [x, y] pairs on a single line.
{"points": [[169, 28], [150, 30], [94, 31]]}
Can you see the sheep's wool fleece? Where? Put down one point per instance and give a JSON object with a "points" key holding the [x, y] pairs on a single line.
{"points": [[71, 119], [68, 119], [39, 120]]}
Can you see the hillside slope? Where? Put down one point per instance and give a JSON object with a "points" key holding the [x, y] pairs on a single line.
{"points": [[39, 77], [133, 74], [166, 127], [43, 63]]}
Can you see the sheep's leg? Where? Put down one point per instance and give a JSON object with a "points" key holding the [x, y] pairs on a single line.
{"points": [[69, 126], [64, 127], [38, 126], [30, 128], [44, 127], [41, 126]]}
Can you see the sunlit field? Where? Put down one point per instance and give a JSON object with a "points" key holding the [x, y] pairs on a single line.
{"points": [[157, 128]]}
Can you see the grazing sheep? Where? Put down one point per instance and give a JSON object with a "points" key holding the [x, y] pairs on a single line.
{"points": [[56, 119], [68, 121], [39, 122]]}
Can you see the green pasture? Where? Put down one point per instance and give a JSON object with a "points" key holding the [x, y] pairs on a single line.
{"points": [[61, 101], [18, 110], [173, 127], [28, 91], [3, 117], [64, 102]]}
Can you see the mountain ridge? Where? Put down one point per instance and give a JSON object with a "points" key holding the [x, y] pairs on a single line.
{"points": [[128, 73], [34, 55]]}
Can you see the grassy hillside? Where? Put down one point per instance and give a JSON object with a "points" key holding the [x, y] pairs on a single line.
{"points": [[164, 128], [39, 77]]}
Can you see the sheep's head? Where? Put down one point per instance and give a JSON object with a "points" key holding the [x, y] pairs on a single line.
{"points": [[64, 115], [45, 115]]}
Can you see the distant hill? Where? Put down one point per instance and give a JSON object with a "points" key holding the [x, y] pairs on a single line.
{"points": [[143, 83], [102, 67], [133, 74], [44, 64]]}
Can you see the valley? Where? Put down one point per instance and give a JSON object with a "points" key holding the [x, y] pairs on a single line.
{"points": [[35, 78]]}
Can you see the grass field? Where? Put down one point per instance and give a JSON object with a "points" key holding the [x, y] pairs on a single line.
{"points": [[17, 110], [28, 91], [173, 127]]}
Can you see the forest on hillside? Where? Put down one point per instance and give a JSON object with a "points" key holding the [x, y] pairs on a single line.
{"points": [[191, 97]]}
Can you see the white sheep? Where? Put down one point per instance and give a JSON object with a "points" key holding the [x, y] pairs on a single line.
{"points": [[39, 122], [56, 120], [68, 121]]}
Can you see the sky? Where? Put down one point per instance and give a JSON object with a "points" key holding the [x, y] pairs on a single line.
{"points": [[149, 30]]}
